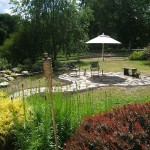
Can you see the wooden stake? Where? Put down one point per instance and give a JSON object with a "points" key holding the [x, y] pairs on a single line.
{"points": [[48, 74]]}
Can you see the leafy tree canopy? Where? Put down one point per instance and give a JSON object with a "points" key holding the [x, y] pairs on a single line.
{"points": [[127, 20], [53, 26], [8, 25]]}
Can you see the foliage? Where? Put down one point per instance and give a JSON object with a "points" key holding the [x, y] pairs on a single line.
{"points": [[52, 26], [11, 114], [37, 66], [147, 52], [122, 128], [8, 25], [2, 36], [69, 111], [4, 64], [11, 50], [63, 26], [128, 20], [38, 134], [138, 55], [16, 50]]}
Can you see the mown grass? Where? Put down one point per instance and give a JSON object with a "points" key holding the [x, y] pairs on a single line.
{"points": [[116, 64]]}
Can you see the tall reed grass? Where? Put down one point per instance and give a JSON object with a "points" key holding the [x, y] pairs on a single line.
{"points": [[70, 110]]}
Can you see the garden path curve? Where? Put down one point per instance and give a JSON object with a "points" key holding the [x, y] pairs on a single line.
{"points": [[85, 82]]}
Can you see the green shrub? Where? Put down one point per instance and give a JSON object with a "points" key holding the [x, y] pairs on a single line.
{"points": [[8, 72], [4, 64], [11, 114], [147, 53], [16, 70], [22, 67], [138, 55], [38, 66], [7, 48], [122, 128]]}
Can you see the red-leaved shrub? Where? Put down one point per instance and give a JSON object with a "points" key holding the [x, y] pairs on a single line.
{"points": [[123, 128]]}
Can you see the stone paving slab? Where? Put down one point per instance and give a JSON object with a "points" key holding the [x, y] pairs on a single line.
{"points": [[83, 82]]}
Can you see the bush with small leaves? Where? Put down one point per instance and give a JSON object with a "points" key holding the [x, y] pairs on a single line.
{"points": [[127, 127], [11, 114]]}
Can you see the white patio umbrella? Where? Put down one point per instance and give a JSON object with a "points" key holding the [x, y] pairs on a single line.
{"points": [[103, 39]]}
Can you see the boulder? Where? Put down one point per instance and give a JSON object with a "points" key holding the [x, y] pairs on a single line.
{"points": [[14, 75], [10, 78], [3, 79], [25, 72], [6, 75], [16, 69], [4, 84]]}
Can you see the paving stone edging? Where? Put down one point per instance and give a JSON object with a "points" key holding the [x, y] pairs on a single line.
{"points": [[81, 82]]}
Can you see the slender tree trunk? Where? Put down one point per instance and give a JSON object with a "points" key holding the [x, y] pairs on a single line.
{"points": [[129, 47]]}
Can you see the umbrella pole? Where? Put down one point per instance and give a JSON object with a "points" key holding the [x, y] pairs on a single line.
{"points": [[103, 51]]}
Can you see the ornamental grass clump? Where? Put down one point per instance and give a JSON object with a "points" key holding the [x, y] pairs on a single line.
{"points": [[11, 114], [127, 127]]}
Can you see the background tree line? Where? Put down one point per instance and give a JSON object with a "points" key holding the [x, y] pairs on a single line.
{"points": [[65, 25], [8, 25]]}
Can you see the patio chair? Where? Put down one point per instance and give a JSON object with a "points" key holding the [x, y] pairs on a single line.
{"points": [[73, 68], [94, 66]]}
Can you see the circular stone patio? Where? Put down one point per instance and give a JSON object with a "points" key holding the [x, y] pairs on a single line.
{"points": [[83, 82], [107, 79]]}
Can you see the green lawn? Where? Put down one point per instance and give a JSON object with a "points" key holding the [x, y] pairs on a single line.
{"points": [[115, 64]]}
